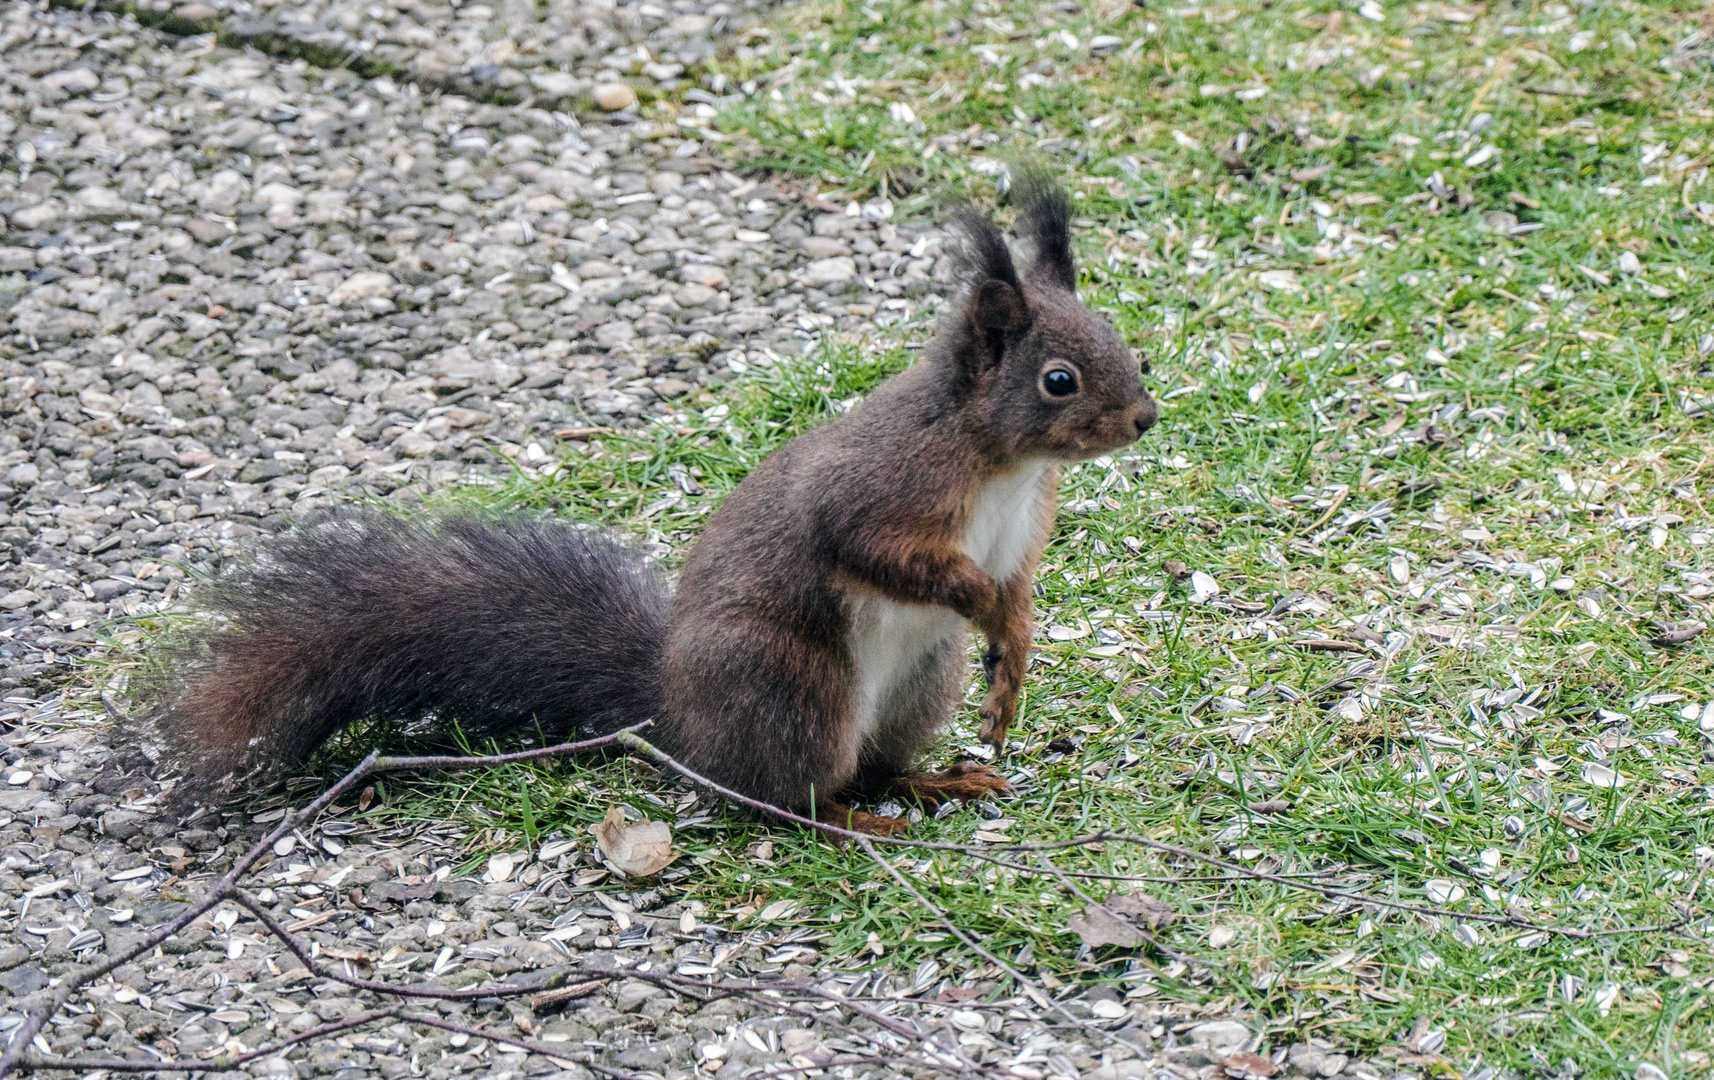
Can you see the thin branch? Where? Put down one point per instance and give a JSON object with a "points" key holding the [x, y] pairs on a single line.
{"points": [[74, 981], [441, 993], [511, 1040], [934, 1055], [1381, 901], [221, 1063], [418, 764]]}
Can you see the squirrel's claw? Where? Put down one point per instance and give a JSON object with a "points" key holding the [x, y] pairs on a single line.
{"points": [[996, 714]]}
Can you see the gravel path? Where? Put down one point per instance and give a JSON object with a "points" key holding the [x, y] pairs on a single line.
{"points": [[235, 287]]}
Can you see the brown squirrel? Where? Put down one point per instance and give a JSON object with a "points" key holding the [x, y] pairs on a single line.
{"points": [[815, 643]]}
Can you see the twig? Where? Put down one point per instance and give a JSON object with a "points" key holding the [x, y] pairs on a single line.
{"points": [[396, 764], [934, 1055], [74, 981], [1338, 501], [221, 1063], [1381, 901], [510, 1040]]}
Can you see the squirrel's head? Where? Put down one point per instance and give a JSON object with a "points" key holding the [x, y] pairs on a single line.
{"points": [[1039, 374]]}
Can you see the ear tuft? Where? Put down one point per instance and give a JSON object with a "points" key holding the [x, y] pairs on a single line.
{"points": [[1044, 218], [982, 251], [997, 306]]}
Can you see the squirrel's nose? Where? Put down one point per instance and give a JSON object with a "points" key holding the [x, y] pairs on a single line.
{"points": [[1143, 415]]}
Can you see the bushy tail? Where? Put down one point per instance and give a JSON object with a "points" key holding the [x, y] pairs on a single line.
{"points": [[494, 623]]}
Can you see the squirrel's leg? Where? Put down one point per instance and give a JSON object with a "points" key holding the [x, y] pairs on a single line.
{"points": [[860, 821], [772, 722], [1008, 631]]}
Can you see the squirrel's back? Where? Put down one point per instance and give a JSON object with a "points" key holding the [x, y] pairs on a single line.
{"points": [[498, 623]]}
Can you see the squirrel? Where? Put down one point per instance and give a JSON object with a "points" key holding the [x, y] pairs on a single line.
{"points": [[815, 642]]}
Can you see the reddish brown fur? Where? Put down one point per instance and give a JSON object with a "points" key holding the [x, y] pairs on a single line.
{"points": [[757, 681]]}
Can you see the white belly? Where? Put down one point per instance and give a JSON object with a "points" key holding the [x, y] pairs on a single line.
{"points": [[890, 641]]}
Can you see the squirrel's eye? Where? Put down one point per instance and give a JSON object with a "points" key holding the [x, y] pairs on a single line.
{"points": [[1059, 382]]}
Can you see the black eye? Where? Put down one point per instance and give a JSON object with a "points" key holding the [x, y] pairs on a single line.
{"points": [[1059, 382]]}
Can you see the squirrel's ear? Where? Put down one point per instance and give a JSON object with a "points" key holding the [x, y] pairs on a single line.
{"points": [[1044, 216], [998, 307]]}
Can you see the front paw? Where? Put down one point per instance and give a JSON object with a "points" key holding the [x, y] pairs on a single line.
{"points": [[996, 719]]}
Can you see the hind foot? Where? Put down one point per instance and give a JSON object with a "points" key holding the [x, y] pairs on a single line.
{"points": [[965, 782], [862, 821]]}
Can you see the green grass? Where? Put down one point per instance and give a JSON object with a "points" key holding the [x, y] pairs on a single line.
{"points": [[1389, 421]]}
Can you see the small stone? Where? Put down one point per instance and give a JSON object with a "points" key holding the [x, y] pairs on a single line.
{"points": [[614, 96], [555, 84], [77, 80], [830, 271], [1221, 1035], [361, 286], [703, 274], [18, 598], [695, 295], [97, 200]]}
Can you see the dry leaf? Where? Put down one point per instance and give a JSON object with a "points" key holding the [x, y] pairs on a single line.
{"points": [[1098, 927], [1142, 907], [636, 850]]}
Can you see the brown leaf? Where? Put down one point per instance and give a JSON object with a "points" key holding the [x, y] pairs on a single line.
{"points": [[1144, 908], [635, 850], [954, 994], [1098, 927], [1270, 807]]}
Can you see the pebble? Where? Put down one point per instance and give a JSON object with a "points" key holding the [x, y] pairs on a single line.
{"points": [[615, 96]]}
